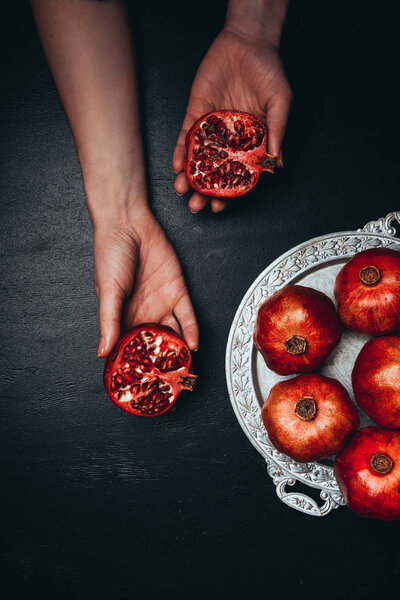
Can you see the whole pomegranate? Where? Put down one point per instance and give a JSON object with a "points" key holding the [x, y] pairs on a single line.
{"points": [[376, 380], [309, 417], [367, 290], [368, 473], [226, 153], [296, 330], [147, 370]]}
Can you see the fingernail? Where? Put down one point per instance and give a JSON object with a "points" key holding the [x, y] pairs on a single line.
{"points": [[178, 194], [194, 212], [195, 349], [101, 348]]}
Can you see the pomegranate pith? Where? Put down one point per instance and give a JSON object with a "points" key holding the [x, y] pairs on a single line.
{"points": [[147, 369], [226, 153]]}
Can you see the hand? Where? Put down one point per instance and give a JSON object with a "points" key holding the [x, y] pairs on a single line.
{"points": [[239, 72], [138, 277]]}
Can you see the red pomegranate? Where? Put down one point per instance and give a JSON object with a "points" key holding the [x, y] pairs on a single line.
{"points": [[147, 370], [367, 290], [376, 380], [226, 153], [368, 473], [296, 330], [309, 417]]}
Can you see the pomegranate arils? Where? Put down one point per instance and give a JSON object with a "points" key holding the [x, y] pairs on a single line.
{"points": [[229, 174], [225, 154], [147, 370], [156, 399]]}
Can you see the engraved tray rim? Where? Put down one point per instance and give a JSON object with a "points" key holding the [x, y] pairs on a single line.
{"points": [[299, 260]]}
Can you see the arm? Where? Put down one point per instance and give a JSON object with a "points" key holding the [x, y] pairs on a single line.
{"points": [[242, 70], [137, 274]]}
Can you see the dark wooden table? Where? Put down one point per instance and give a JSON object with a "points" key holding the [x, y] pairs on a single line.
{"points": [[98, 504]]}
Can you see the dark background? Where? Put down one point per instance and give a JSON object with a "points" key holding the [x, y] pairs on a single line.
{"points": [[93, 502]]}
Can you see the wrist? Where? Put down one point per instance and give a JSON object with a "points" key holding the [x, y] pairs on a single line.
{"points": [[114, 202], [257, 19]]}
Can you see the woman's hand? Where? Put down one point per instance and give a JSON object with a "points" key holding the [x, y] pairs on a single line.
{"points": [[242, 70], [138, 277]]}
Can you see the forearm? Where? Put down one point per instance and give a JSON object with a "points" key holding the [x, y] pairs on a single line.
{"points": [[257, 18], [89, 50]]}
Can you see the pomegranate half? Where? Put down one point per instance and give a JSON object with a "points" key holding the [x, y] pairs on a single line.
{"points": [[147, 370], [226, 153], [376, 380], [296, 330], [368, 473], [367, 290], [309, 417]]}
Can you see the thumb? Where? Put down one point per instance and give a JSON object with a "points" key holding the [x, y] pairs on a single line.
{"points": [[277, 117], [180, 148], [111, 300]]}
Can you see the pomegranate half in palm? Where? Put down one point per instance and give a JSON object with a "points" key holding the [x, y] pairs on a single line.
{"points": [[147, 370], [226, 153]]}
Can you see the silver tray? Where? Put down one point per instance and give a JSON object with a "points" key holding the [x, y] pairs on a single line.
{"points": [[314, 263]]}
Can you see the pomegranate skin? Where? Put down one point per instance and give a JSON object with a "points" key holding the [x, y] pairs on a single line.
{"points": [[372, 308], [376, 380], [324, 425], [367, 492], [296, 313]]}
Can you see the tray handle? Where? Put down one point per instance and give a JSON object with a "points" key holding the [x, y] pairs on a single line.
{"points": [[383, 225], [300, 501]]}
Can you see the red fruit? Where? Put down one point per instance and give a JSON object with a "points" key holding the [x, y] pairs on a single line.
{"points": [[367, 290], [296, 330], [147, 370], [226, 153], [309, 417], [368, 473], [376, 380]]}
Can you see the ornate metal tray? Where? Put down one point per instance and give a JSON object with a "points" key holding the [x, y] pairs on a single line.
{"points": [[314, 263]]}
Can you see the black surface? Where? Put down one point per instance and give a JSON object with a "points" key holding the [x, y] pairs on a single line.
{"points": [[93, 502]]}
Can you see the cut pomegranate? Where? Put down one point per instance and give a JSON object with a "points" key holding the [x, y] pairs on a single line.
{"points": [[147, 370], [226, 153]]}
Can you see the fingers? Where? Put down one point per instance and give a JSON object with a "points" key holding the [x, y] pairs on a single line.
{"points": [[185, 314], [111, 300], [170, 321], [181, 184], [218, 205], [180, 149], [197, 202], [277, 117]]}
